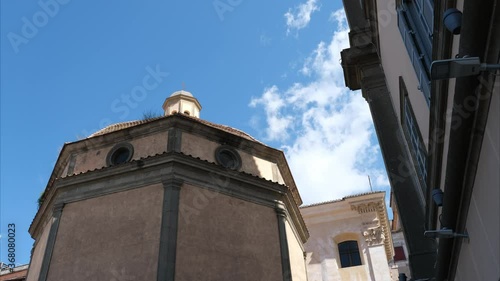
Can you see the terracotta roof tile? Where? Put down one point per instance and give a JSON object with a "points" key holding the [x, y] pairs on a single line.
{"points": [[121, 126], [341, 199], [128, 124]]}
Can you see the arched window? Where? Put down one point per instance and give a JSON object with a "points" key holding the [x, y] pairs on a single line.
{"points": [[349, 253], [186, 112]]}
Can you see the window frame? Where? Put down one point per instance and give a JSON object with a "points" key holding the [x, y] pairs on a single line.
{"points": [[416, 33], [413, 136], [350, 253], [116, 151]]}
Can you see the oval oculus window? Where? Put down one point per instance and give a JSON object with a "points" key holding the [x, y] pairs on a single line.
{"points": [[120, 154], [228, 157]]}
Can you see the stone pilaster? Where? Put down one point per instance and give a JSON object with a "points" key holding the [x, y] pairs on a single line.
{"points": [[285, 255], [168, 232], [56, 218]]}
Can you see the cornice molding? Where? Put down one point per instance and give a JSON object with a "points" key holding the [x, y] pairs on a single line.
{"points": [[162, 169], [375, 233]]}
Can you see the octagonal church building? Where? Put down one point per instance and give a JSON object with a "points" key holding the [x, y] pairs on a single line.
{"points": [[169, 198]]}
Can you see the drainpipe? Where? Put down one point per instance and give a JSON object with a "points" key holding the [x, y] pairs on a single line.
{"points": [[465, 137], [441, 49]]}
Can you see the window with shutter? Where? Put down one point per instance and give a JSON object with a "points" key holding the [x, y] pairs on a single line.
{"points": [[415, 21], [399, 254]]}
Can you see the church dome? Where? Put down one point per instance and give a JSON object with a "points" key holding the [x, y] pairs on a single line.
{"points": [[123, 125], [181, 92], [182, 104]]}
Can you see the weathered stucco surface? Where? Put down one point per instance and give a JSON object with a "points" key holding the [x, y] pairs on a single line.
{"points": [[297, 262], [143, 147], [224, 238], [113, 237], [37, 257], [480, 255], [396, 62], [198, 146]]}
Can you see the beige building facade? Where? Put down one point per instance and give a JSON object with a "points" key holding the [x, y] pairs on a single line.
{"points": [[149, 199], [350, 239], [439, 136]]}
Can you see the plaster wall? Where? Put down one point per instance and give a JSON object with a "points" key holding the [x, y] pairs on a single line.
{"points": [[143, 147], [323, 254], [190, 107], [173, 106], [112, 237], [180, 106], [37, 257], [332, 223], [297, 262], [205, 149], [260, 167], [354, 273], [225, 238], [198, 146], [396, 62], [480, 256], [378, 261]]}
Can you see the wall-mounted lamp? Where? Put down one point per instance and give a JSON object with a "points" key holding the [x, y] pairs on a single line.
{"points": [[446, 69], [452, 19], [437, 196]]}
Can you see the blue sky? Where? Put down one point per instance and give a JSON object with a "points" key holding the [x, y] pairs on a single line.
{"points": [[270, 68]]}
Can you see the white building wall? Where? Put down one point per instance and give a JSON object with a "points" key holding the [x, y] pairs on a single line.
{"points": [[296, 252], [480, 256], [396, 62], [378, 262], [332, 223]]}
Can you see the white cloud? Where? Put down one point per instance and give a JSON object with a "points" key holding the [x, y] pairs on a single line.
{"points": [[300, 16], [326, 130], [277, 123]]}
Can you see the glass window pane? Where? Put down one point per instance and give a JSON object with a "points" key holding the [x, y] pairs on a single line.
{"points": [[344, 260], [344, 247], [355, 259], [349, 253]]}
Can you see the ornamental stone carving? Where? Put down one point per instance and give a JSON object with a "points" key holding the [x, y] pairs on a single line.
{"points": [[365, 207], [374, 236]]}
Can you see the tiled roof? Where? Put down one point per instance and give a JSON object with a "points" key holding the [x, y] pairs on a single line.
{"points": [[165, 153], [341, 199], [128, 124], [228, 129], [121, 126]]}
